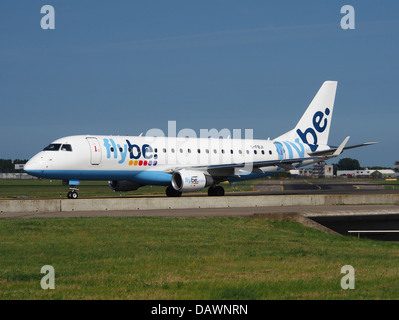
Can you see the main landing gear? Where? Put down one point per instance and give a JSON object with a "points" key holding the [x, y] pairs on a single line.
{"points": [[73, 194], [171, 192], [216, 191]]}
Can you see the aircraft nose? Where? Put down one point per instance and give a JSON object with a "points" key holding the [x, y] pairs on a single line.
{"points": [[29, 166], [34, 166]]}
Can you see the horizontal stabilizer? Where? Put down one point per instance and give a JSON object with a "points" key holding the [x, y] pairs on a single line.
{"points": [[361, 145], [333, 150]]}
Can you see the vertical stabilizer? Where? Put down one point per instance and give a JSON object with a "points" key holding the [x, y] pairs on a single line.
{"points": [[314, 127]]}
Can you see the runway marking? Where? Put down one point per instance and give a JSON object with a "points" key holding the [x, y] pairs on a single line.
{"points": [[313, 184]]}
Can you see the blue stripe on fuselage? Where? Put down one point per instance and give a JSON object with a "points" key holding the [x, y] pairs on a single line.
{"points": [[144, 177]]}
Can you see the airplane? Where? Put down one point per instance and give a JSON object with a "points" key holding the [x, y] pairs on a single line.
{"points": [[185, 164]]}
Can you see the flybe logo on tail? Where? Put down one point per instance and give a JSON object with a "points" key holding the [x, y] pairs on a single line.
{"points": [[319, 125]]}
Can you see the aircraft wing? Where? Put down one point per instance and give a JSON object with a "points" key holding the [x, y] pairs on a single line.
{"points": [[232, 169], [229, 169]]}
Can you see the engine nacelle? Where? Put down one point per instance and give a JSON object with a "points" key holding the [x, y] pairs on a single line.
{"points": [[123, 185], [188, 180]]}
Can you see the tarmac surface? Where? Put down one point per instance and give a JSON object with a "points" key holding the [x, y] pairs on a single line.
{"points": [[320, 186]]}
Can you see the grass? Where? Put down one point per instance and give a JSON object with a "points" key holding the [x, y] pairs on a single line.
{"points": [[189, 258], [391, 185], [44, 188]]}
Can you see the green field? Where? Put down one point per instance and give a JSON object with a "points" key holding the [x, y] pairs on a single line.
{"points": [[44, 188], [189, 258]]}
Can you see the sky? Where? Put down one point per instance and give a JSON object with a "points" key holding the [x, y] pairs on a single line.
{"points": [[124, 67]]}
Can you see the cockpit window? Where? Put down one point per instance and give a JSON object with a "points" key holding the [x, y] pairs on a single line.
{"points": [[53, 147], [66, 147]]}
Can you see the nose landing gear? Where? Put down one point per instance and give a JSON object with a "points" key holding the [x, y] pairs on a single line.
{"points": [[72, 183], [73, 194]]}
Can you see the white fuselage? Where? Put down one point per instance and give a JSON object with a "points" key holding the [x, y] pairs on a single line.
{"points": [[151, 160]]}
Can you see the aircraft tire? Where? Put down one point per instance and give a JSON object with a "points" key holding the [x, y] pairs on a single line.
{"points": [[219, 191], [216, 191], [171, 192], [72, 195]]}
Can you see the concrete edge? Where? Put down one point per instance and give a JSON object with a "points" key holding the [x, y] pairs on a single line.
{"points": [[129, 204]]}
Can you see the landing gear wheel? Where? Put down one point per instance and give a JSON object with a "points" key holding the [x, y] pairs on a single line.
{"points": [[216, 191], [72, 195], [171, 192]]}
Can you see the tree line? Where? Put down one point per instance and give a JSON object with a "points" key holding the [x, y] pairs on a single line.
{"points": [[353, 164], [8, 165]]}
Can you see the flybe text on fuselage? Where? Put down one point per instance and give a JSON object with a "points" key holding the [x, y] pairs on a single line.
{"points": [[134, 150]]}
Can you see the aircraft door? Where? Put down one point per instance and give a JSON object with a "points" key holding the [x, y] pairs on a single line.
{"points": [[280, 150], [95, 151]]}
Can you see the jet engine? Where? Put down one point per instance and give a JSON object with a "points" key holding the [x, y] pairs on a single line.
{"points": [[123, 185], [188, 180]]}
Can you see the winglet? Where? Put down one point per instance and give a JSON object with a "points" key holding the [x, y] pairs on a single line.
{"points": [[341, 147]]}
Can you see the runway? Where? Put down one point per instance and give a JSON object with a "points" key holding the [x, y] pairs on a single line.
{"points": [[297, 187], [320, 186]]}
